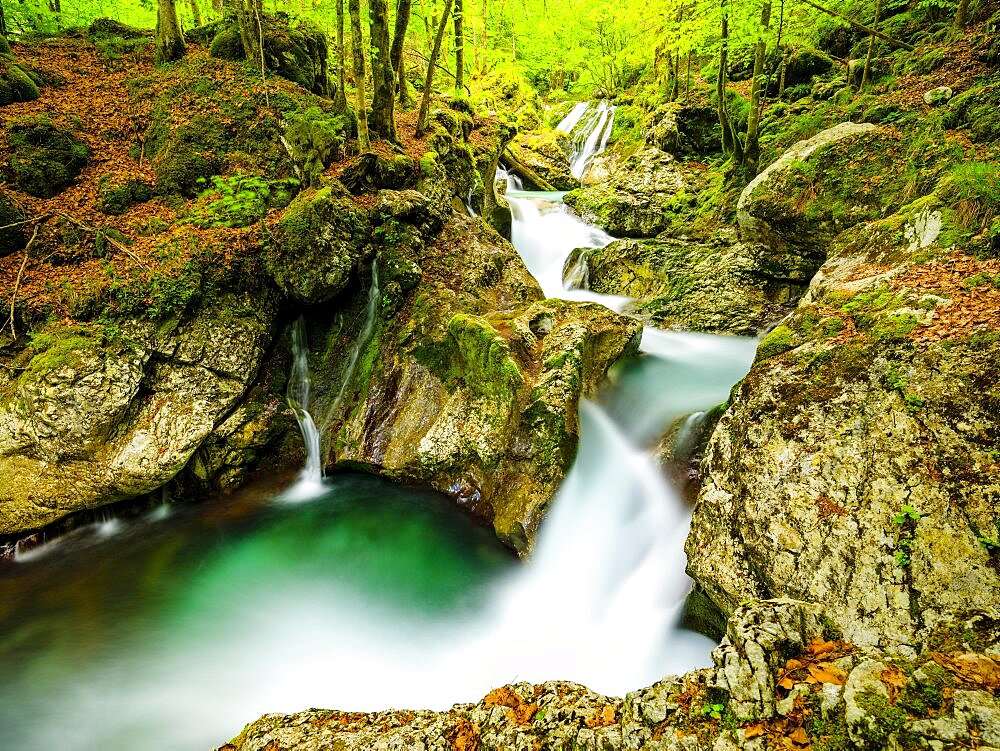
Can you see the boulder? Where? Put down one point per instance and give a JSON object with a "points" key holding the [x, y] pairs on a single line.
{"points": [[782, 678], [856, 465], [319, 240], [938, 96], [101, 415], [452, 371], [720, 286], [45, 158], [638, 200], [16, 85]]}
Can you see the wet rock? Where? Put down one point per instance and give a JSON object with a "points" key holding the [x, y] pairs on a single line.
{"points": [[461, 385], [720, 286], [639, 198]]}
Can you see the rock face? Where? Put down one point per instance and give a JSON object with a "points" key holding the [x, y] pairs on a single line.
{"points": [[782, 679], [465, 379], [720, 286], [857, 465], [637, 200], [93, 420]]}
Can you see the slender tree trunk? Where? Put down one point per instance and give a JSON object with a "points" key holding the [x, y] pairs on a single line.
{"points": [[383, 72], [358, 57], [961, 18], [486, 37], [720, 84], [866, 74], [752, 152], [340, 100], [425, 100], [169, 42], [396, 53], [3, 22], [459, 48], [196, 12]]}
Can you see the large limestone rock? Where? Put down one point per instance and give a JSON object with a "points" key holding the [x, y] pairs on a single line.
{"points": [[638, 200], [92, 420], [466, 379], [782, 678], [857, 465], [721, 286]]}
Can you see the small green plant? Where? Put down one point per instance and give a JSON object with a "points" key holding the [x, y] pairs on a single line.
{"points": [[713, 710], [990, 546], [906, 526], [239, 200]]}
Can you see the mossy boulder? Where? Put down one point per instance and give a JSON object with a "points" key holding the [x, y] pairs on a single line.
{"points": [[371, 172], [804, 64], [541, 160], [45, 158], [15, 83], [11, 238], [112, 28], [297, 53], [975, 111], [115, 196], [318, 242], [640, 198], [316, 139]]}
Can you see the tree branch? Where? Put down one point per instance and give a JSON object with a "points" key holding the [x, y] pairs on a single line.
{"points": [[17, 282], [861, 27]]}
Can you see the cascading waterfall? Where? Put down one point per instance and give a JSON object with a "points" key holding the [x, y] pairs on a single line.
{"points": [[372, 595], [310, 483], [589, 124]]}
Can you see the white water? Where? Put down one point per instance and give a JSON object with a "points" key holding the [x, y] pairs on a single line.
{"points": [[310, 482], [589, 124]]}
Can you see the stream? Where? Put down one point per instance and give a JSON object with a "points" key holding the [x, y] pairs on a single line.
{"points": [[173, 630]]}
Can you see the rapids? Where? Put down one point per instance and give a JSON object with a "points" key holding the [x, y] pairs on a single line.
{"points": [[173, 630]]}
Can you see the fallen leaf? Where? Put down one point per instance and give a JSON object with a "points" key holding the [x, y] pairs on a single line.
{"points": [[753, 731], [895, 680], [825, 672], [976, 669]]}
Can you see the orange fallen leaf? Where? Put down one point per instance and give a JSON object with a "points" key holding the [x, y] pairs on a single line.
{"points": [[825, 672]]}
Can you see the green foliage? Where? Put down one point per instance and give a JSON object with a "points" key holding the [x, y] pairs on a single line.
{"points": [[239, 200], [316, 139], [905, 522], [777, 342], [713, 711]]}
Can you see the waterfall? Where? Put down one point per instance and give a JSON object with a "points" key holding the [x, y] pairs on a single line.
{"points": [[589, 126], [365, 335], [310, 483]]}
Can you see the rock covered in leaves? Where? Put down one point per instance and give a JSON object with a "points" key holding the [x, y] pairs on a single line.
{"points": [[782, 679]]}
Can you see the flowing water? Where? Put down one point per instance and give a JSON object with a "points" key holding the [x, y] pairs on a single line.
{"points": [[177, 628], [310, 481]]}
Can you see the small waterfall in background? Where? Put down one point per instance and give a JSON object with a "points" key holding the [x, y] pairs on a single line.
{"points": [[589, 125], [310, 482], [364, 336]]}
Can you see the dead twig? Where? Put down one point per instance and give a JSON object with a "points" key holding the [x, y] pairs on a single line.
{"points": [[39, 218], [111, 241], [17, 282]]}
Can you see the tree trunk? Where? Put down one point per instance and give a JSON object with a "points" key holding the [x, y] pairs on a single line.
{"points": [[3, 22], [358, 58], [720, 84], [383, 72], [340, 100], [425, 100], [752, 152], [961, 18], [486, 37], [861, 27], [459, 48], [396, 53], [169, 42], [866, 74], [196, 12]]}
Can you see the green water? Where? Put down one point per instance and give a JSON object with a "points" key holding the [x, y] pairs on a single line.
{"points": [[170, 631]]}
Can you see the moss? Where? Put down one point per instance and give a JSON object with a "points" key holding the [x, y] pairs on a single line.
{"points": [[45, 159], [886, 720], [15, 84], [11, 238], [118, 199], [779, 341], [60, 346], [428, 164]]}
